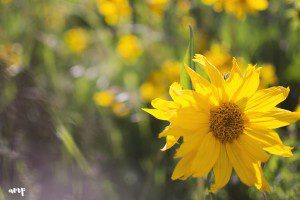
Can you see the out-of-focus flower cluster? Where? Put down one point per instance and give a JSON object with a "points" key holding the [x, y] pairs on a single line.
{"points": [[11, 58], [158, 82], [239, 8], [114, 99], [114, 11]]}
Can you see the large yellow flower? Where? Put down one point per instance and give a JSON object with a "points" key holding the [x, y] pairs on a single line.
{"points": [[225, 124]]}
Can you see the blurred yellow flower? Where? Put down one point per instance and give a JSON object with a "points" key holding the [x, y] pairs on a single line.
{"points": [[298, 108], [148, 91], [184, 5], [55, 15], [129, 47], [158, 82], [157, 6], [120, 109], [188, 21], [11, 58], [239, 8], [10, 54], [268, 76], [76, 39], [104, 98], [114, 11], [220, 57], [6, 1]]}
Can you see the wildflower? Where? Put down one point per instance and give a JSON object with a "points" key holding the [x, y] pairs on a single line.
{"points": [[120, 109], [157, 6], [239, 8], [10, 54], [225, 124], [188, 21], [114, 100], [114, 11], [76, 39], [158, 82], [268, 76], [129, 48], [220, 57], [6, 1], [104, 98], [184, 5]]}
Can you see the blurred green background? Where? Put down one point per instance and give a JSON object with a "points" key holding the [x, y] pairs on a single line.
{"points": [[74, 75]]}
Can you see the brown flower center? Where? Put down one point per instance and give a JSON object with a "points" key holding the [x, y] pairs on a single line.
{"points": [[226, 122]]}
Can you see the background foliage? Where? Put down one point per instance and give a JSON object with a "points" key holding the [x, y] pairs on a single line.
{"points": [[74, 75]]}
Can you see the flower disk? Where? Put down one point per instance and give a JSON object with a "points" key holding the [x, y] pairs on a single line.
{"points": [[226, 122]]}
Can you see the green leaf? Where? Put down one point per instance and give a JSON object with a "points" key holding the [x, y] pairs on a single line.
{"points": [[185, 81], [72, 148]]}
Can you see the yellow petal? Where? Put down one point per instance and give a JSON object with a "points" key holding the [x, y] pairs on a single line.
{"points": [[207, 155], [215, 76], [273, 119], [162, 115], [170, 142], [173, 130], [200, 84], [235, 71], [263, 185], [266, 99], [235, 80], [270, 140], [254, 148], [181, 97], [163, 104], [249, 85], [222, 170], [191, 119], [246, 168], [280, 150], [190, 143], [183, 168]]}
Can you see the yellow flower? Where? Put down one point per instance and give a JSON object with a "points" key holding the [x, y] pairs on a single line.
{"points": [[188, 21], [158, 82], [76, 39], [104, 98], [220, 57], [148, 91], [218, 4], [10, 54], [157, 6], [239, 8], [268, 76], [6, 1], [184, 5], [120, 109], [225, 124], [114, 11], [129, 48]]}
